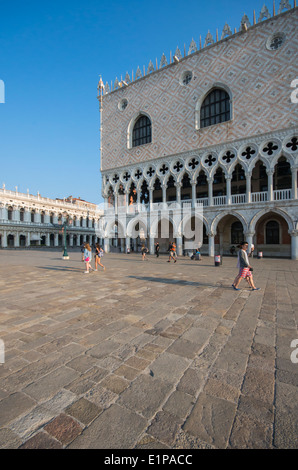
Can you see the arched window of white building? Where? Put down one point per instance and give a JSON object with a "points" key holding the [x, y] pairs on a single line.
{"points": [[9, 213], [22, 214]]}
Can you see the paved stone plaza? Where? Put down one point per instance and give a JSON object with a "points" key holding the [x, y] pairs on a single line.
{"points": [[146, 355]]}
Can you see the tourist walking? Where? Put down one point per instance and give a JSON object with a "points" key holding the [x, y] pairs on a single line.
{"points": [[172, 250], [245, 270], [98, 256], [157, 248], [88, 258], [144, 251]]}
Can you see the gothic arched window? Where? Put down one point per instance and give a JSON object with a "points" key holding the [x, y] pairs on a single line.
{"points": [[141, 133], [215, 108]]}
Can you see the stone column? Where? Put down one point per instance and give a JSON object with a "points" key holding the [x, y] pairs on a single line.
{"points": [[150, 195], [16, 215], [4, 213], [294, 244], [127, 244], [56, 241], [179, 245], [249, 238], [248, 188], [164, 194], [193, 194], [229, 195], [4, 239], [151, 245], [210, 191], [17, 240], [116, 203], [28, 239], [126, 200], [221, 243], [37, 217], [178, 192], [27, 216], [270, 185], [106, 245], [211, 244], [294, 183]]}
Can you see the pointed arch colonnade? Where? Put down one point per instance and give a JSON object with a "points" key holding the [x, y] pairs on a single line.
{"points": [[248, 190]]}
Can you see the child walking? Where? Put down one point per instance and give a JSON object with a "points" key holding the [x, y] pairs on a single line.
{"points": [[87, 258]]}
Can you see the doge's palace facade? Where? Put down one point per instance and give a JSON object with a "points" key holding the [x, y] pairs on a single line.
{"points": [[28, 220], [215, 125]]}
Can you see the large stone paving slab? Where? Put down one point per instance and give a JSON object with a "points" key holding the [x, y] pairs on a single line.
{"points": [[146, 355]]}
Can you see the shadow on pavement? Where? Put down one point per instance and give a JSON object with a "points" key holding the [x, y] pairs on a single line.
{"points": [[175, 281], [60, 268]]}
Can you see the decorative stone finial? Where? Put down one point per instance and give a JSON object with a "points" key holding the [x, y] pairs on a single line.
{"points": [[178, 53], [284, 4], [116, 84], [107, 88], [150, 67], [127, 78], [138, 73], [192, 47], [209, 39], [264, 14], [226, 31], [245, 20], [163, 61]]}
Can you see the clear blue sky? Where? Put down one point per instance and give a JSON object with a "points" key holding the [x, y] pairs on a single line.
{"points": [[51, 56]]}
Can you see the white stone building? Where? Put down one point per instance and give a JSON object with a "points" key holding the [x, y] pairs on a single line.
{"points": [[216, 125], [27, 220]]}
